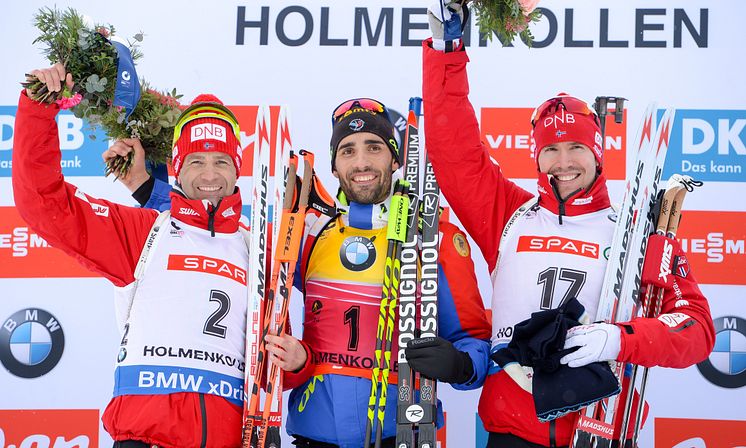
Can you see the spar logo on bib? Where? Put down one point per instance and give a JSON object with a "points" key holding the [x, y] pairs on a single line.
{"points": [[49, 428], [507, 134], [81, 146], [708, 145], [31, 343]]}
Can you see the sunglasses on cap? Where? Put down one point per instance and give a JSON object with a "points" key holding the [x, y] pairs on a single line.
{"points": [[569, 103], [198, 111], [363, 103]]}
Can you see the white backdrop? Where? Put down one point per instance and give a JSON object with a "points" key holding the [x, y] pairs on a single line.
{"points": [[687, 55]]}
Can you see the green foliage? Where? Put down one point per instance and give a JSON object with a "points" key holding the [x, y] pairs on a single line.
{"points": [[87, 54], [505, 19]]}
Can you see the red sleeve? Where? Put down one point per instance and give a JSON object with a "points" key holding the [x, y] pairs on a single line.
{"points": [[682, 335], [482, 198], [105, 237], [463, 289], [292, 380]]}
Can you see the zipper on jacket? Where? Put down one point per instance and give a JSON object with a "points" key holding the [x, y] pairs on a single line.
{"points": [[211, 210], [562, 201], [203, 411]]}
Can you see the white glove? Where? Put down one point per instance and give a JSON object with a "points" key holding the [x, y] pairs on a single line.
{"points": [[445, 19], [597, 342]]}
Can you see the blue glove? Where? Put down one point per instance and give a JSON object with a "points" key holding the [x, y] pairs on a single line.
{"points": [[445, 19]]}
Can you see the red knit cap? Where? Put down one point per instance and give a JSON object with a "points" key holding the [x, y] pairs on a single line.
{"points": [[206, 126], [565, 118]]}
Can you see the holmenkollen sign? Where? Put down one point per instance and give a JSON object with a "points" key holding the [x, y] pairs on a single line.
{"points": [[297, 25]]}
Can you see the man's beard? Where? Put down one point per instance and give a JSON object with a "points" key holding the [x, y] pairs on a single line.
{"points": [[371, 195]]}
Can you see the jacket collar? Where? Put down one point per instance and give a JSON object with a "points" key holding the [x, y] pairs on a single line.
{"points": [[586, 200], [201, 213], [366, 216]]}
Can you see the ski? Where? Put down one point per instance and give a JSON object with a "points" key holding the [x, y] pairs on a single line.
{"points": [[668, 224], [283, 270], [258, 272], [429, 299], [406, 412], [280, 165], [620, 293], [420, 247]]}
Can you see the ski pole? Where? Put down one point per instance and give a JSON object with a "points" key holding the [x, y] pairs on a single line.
{"points": [[380, 331]]}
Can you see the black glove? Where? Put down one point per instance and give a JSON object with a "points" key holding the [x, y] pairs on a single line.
{"points": [[438, 359]]}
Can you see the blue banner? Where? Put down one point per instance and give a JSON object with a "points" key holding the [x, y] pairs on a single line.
{"points": [[708, 145], [127, 91]]}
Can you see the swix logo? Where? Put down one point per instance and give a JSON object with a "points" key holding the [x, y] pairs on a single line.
{"points": [[696, 433], [214, 266], [186, 211], [25, 254], [210, 131], [529, 243], [58, 428], [666, 261], [507, 134], [81, 147], [715, 246], [712, 145], [228, 212]]}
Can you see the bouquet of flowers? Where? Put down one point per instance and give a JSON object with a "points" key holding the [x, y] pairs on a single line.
{"points": [[87, 53], [506, 18]]}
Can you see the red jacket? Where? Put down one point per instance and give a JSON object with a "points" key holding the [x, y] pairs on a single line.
{"points": [[484, 200], [111, 246]]}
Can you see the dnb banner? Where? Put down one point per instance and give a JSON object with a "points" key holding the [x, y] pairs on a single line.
{"points": [[708, 145]]}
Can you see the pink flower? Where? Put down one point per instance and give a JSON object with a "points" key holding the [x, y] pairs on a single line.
{"points": [[68, 102], [527, 6]]}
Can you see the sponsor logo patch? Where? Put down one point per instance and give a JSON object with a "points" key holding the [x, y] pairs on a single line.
{"points": [[207, 265], [529, 243]]}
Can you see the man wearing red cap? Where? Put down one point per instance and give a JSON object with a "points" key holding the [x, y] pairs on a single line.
{"points": [[184, 272], [542, 252]]}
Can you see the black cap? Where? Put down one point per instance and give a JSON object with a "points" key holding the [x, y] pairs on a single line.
{"points": [[364, 120]]}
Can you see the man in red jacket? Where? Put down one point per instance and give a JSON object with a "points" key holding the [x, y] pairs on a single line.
{"points": [[180, 278], [527, 276]]}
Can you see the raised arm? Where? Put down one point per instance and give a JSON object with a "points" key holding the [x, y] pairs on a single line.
{"points": [[103, 236]]}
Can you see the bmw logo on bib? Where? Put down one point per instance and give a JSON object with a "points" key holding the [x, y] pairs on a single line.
{"points": [[357, 253]]}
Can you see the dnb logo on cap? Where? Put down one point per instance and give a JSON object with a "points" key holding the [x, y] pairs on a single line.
{"points": [[726, 365], [357, 124], [357, 253], [31, 343]]}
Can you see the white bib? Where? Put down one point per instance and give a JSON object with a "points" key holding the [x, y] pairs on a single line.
{"points": [[543, 263], [186, 327]]}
